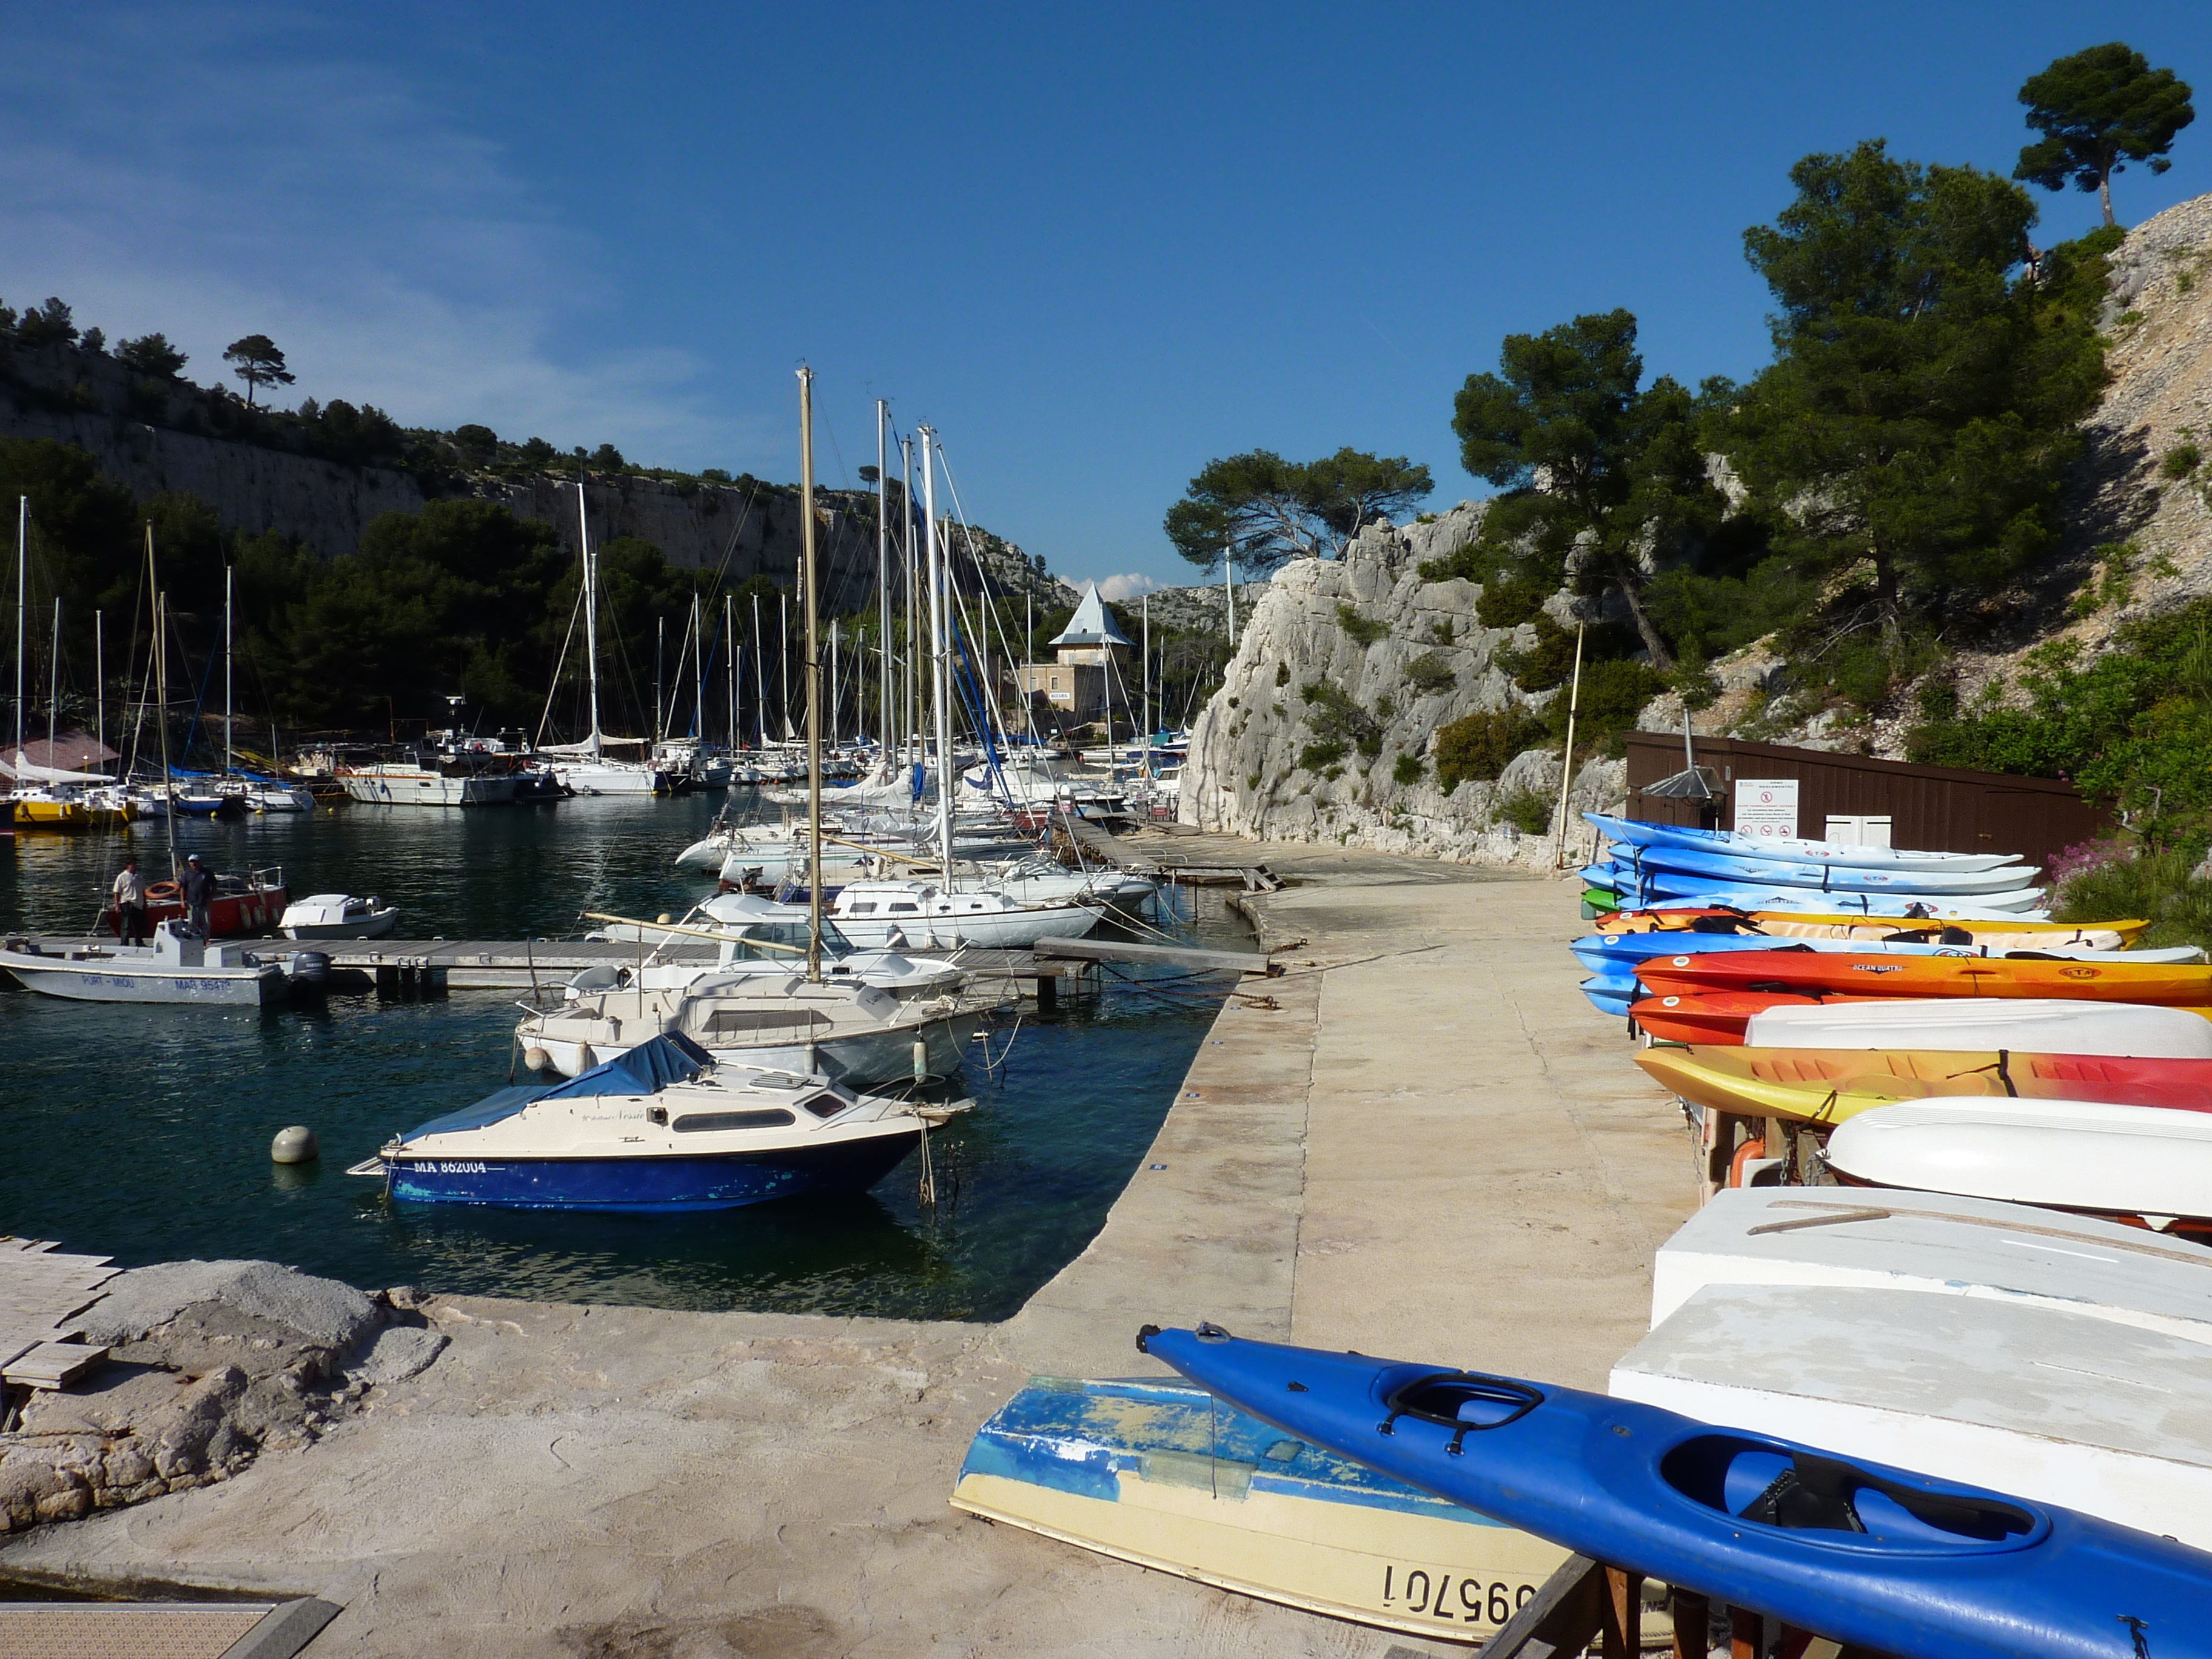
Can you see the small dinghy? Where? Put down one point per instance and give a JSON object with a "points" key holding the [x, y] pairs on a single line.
{"points": [[2145, 1161], [338, 915], [1159, 1473], [178, 967], [1860, 1552], [662, 1129]]}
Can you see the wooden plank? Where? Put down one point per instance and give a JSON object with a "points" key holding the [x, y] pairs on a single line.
{"points": [[52, 1364], [1183, 956]]}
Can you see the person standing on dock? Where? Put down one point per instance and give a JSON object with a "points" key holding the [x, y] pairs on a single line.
{"points": [[131, 905], [198, 893]]}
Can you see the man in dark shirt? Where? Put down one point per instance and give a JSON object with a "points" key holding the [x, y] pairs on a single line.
{"points": [[198, 893]]}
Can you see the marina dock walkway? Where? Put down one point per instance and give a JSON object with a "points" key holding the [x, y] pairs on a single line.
{"points": [[1418, 1140]]}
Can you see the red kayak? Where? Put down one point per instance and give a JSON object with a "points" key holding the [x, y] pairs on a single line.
{"points": [[1827, 974], [1719, 1017]]}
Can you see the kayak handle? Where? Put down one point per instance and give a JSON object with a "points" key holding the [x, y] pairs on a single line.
{"points": [[1443, 1398]]}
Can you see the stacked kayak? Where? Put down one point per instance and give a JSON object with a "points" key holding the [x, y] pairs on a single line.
{"points": [[1854, 1550], [2007, 934]]}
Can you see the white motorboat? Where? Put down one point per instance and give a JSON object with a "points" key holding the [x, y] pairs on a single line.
{"points": [[665, 1127], [769, 938], [853, 1033], [921, 915], [2028, 1024], [338, 915], [279, 798], [604, 776], [407, 783], [2154, 1163], [178, 967]]}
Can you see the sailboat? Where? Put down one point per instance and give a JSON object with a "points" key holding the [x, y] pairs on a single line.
{"points": [[585, 766]]}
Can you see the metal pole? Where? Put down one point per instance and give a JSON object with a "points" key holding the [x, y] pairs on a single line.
{"points": [[1229, 586], [882, 582], [836, 670], [937, 649], [783, 651], [100, 675], [226, 706], [813, 681], [698, 677], [1146, 669], [53, 679], [659, 662], [1567, 763], [760, 677], [730, 633], [906, 532], [22, 564], [591, 613]]}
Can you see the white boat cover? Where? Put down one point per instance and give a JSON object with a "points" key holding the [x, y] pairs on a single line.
{"points": [[1938, 1245], [29, 771], [2151, 1161], [2035, 1025], [2052, 1406]]}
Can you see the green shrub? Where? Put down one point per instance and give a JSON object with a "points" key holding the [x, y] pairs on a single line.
{"points": [[1546, 664], [2157, 886], [1409, 769], [1526, 810], [1428, 673], [2181, 460], [1476, 748], [1613, 693], [1282, 673], [1362, 630], [1333, 717], [1318, 756], [1511, 598]]}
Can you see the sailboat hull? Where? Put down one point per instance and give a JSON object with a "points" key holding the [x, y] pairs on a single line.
{"points": [[859, 1058], [650, 1185]]}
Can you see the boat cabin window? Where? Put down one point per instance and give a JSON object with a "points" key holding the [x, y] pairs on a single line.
{"points": [[826, 1104], [904, 909], [866, 910], [774, 1117]]}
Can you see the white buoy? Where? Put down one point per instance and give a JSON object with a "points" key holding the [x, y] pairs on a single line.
{"points": [[295, 1146]]}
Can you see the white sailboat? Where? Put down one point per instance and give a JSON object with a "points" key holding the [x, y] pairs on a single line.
{"points": [[585, 766]]}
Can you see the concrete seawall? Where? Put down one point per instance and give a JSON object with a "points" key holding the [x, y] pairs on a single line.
{"points": [[1420, 1141]]}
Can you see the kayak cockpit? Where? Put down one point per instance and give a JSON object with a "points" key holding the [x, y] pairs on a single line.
{"points": [[1772, 1485], [1462, 1401]]}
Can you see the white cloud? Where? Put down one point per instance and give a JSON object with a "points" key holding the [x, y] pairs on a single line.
{"points": [[1128, 585], [395, 255]]}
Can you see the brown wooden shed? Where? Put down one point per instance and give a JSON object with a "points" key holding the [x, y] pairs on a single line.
{"points": [[1936, 809]]}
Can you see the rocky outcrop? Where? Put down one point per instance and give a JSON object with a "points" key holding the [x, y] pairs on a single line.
{"points": [[210, 1364], [1360, 623], [155, 437]]}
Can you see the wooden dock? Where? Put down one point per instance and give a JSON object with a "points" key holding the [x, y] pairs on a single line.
{"points": [[1090, 840], [41, 1290]]}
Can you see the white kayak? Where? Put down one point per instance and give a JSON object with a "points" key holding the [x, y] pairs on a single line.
{"points": [[2150, 1161], [1637, 833], [1937, 1244], [2062, 1407], [2025, 1024]]}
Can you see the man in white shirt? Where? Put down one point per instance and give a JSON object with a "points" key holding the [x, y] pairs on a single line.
{"points": [[130, 904]]}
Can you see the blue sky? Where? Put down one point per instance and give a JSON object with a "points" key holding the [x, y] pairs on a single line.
{"points": [[1094, 249]]}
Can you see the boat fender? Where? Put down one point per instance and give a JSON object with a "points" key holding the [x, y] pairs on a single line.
{"points": [[536, 1059]]}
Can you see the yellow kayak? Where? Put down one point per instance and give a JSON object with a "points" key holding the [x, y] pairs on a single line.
{"points": [[1827, 1085]]}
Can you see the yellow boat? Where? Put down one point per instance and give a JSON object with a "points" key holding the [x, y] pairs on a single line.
{"points": [[35, 809], [1827, 1085], [1999, 935]]}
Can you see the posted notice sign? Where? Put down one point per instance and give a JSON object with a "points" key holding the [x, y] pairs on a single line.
{"points": [[1767, 808]]}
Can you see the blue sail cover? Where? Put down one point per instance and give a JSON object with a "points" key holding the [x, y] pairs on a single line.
{"points": [[645, 1070]]}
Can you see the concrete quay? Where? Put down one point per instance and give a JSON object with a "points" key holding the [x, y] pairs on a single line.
{"points": [[1419, 1141]]}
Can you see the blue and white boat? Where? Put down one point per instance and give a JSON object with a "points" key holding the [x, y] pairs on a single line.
{"points": [[1637, 832], [662, 1128]]}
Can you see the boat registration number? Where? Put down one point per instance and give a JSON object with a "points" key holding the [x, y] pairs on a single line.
{"points": [[1471, 1600], [455, 1167]]}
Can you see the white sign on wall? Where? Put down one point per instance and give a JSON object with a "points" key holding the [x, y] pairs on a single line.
{"points": [[1766, 808]]}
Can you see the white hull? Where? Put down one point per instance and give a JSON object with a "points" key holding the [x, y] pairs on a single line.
{"points": [[859, 1058], [1004, 930], [375, 926], [610, 778], [2027, 1024], [413, 788], [118, 980]]}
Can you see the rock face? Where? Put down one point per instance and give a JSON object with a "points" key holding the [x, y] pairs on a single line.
{"points": [[211, 1364], [174, 441], [1244, 775]]}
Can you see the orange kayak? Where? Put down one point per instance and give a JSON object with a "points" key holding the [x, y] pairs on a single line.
{"points": [[1830, 1084], [1790, 924], [1719, 1017], [1831, 973]]}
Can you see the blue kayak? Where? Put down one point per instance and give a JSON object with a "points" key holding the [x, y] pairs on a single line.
{"points": [[1664, 889], [1827, 877], [1636, 832], [1859, 1552]]}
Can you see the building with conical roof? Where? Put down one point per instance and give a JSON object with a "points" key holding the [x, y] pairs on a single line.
{"points": [[1087, 656]]}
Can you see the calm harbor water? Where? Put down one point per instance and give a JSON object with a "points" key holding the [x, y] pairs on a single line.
{"points": [[144, 1133]]}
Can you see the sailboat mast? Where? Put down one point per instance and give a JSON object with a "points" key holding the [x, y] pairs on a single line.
{"points": [[53, 679], [226, 706], [936, 650], [883, 581], [22, 564], [836, 700], [1229, 586], [161, 691], [698, 677], [813, 679], [912, 639], [1145, 668], [591, 612], [100, 677], [760, 676], [660, 665], [730, 633]]}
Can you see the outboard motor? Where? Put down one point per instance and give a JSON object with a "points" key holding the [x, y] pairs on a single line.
{"points": [[310, 971]]}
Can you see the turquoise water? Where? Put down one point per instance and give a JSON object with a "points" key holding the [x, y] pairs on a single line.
{"points": [[144, 1133]]}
